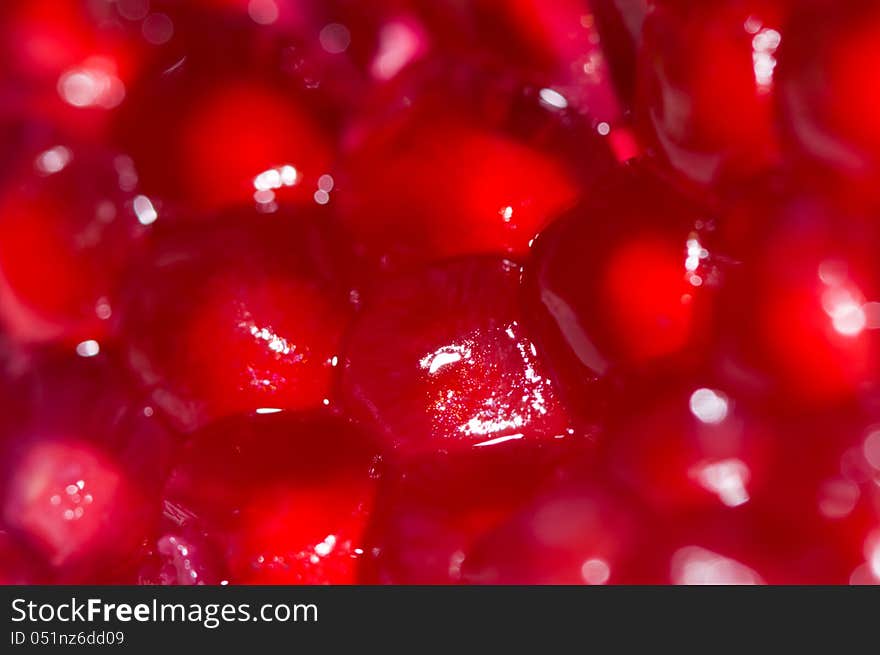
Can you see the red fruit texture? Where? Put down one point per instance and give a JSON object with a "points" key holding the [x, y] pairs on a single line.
{"points": [[709, 132], [439, 361], [808, 289], [577, 534], [70, 218], [427, 177], [82, 464], [625, 282], [689, 450], [229, 110], [827, 105], [288, 495], [433, 509], [242, 316]]}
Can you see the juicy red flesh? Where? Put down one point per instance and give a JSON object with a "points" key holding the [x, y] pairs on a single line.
{"points": [[439, 292], [573, 535], [708, 131], [807, 289], [827, 106], [433, 509], [219, 123], [18, 565], [67, 227], [429, 176], [287, 496], [214, 332], [503, 193], [623, 283], [233, 130], [440, 361], [690, 450], [81, 479]]}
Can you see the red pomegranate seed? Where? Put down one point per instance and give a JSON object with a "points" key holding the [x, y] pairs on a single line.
{"points": [[711, 132], [427, 178], [432, 509], [688, 450], [808, 292], [210, 133], [83, 461], [438, 360], [70, 221], [581, 534], [289, 495], [828, 109], [237, 319], [623, 283]]}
